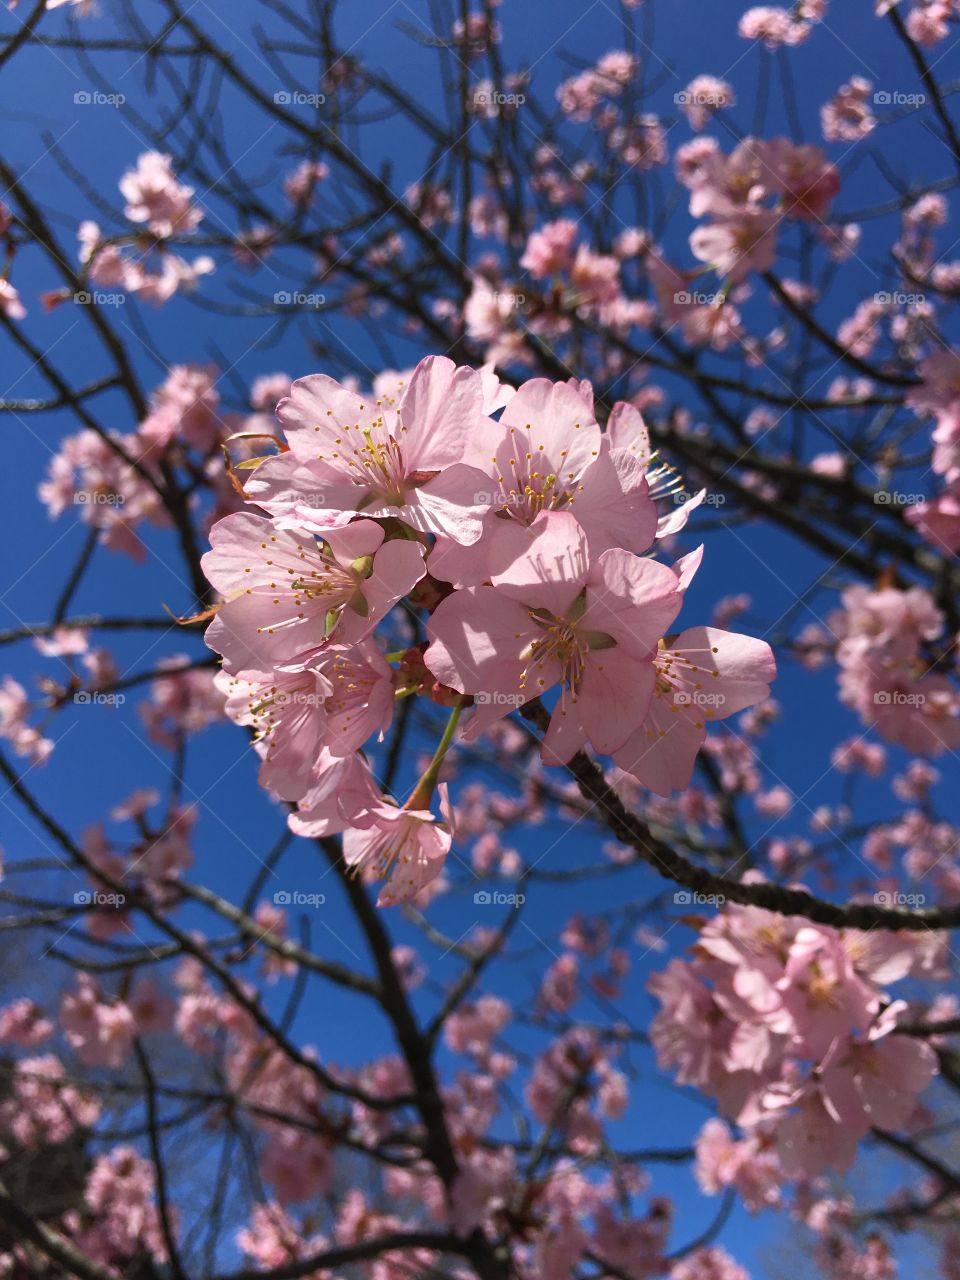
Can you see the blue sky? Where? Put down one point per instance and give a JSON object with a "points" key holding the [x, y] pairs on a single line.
{"points": [[101, 754]]}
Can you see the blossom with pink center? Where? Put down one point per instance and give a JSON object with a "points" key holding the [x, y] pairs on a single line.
{"points": [[801, 175], [154, 196], [929, 23], [858, 1085], [120, 1192], [823, 993], [101, 1032], [848, 117], [354, 454], [22, 1022], [713, 1263], [151, 1008], [299, 186], [342, 793], [409, 845], [24, 738], [549, 249], [336, 698], [738, 243], [702, 97], [185, 408], [776, 27], [938, 520], [547, 455], [701, 675], [749, 1165], [286, 593], [40, 1106], [556, 616]]}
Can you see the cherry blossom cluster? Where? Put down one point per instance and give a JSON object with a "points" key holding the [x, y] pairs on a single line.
{"points": [[517, 538], [938, 395], [144, 263], [790, 1027], [113, 481], [896, 666], [748, 196]]}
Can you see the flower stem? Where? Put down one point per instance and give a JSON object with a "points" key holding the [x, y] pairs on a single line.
{"points": [[423, 792]]}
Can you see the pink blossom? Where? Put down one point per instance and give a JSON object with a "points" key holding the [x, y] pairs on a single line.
{"points": [[297, 1164], [119, 1191], [736, 244], [22, 1022], [774, 26], [702, 97], [342, 792], [410, 844], [336, 699], [299, 186], [185, 407], [42, 1107], [10, 303], [847, 117], [552, 617], [355, 454], [702, 675], [102, 1032], [273, 1238], [23, 737], [548, 456], [712, 1263], [285, 593], [802, 176], [549, 249], [154, 196]]}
